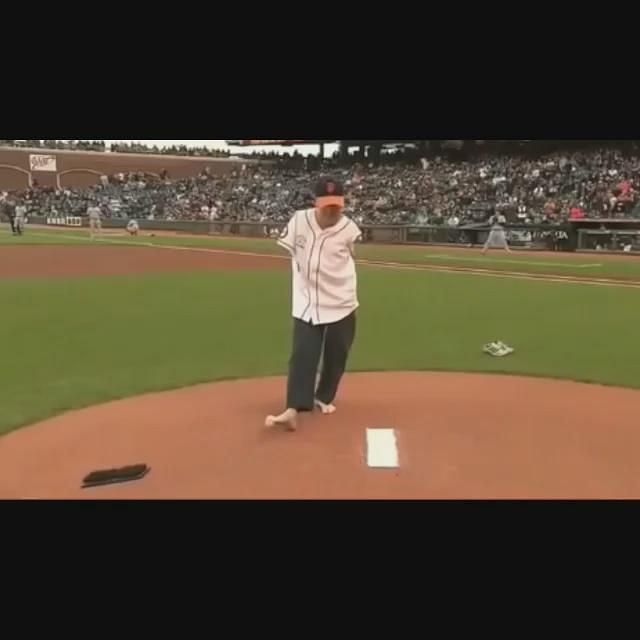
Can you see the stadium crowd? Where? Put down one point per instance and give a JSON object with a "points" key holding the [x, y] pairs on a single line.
{"points": [[182, 150], [61, 145], [118, 147], [401, 189]]}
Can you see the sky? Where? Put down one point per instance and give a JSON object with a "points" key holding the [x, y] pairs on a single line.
{"points": [[221, 144]]}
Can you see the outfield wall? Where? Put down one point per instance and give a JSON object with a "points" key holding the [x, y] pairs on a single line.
{"points": [[559, 237], [608, 236], [57, 168]]}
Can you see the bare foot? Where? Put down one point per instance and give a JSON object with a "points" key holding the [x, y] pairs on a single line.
{"points": [[289, 420], [327, 409]]}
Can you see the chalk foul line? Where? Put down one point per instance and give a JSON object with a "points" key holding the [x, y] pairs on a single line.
{"points": [[393, 266], [562, 265]]}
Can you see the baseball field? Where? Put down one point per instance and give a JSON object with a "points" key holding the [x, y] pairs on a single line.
{"points": [[171, 350]]}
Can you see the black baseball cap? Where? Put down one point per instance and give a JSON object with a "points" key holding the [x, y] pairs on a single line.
{"points": [[329, 192]]}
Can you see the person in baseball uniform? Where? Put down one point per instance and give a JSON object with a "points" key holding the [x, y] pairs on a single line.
{"points": [[497, 236], [321, 242], [10, 212], [95, 219], [20, 219], [133, 228]]}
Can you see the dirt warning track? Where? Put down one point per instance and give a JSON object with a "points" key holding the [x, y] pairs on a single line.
{"points": [[110, 258], [106, 260]]}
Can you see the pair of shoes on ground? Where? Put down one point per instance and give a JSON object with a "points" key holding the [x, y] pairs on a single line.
{"points": [[498, 349]]}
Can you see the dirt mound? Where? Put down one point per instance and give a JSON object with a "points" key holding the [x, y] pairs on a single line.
{"points": [[458, 436]]}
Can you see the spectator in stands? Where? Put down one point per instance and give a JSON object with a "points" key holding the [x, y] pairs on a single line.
{"points": [[577, 213]]}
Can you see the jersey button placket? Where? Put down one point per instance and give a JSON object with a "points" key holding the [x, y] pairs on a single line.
{"points": [[315, 308], [313, 279]]}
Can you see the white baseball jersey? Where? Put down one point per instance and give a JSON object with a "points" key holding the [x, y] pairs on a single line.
{"points": [[498, 221], [325, 286]]}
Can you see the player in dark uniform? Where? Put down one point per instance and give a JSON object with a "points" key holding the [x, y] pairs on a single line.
{"points": [[9, 211]]}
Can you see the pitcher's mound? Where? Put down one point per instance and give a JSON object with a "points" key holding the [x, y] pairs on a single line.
{"points": [[457, 436]]}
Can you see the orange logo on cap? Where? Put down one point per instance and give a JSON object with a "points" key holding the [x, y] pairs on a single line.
{"points": [[331, 188]]}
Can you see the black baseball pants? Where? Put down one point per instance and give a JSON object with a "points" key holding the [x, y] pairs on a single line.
{"points": [[329, 343]]}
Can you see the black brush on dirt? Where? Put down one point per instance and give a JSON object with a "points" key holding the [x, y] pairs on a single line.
{"points": [[115, 476]]}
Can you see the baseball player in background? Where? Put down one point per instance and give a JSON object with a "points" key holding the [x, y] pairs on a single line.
{"points": [[497, 236], [20, 219], [10, 211], [95, 220], [321, 242], [133, 228]]}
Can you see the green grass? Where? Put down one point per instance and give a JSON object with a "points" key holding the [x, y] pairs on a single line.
{"points": [[40, 239], [589, 265], [74, 343]]}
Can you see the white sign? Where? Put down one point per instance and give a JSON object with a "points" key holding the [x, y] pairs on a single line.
{"points": [[65, 222], [43, 163]]}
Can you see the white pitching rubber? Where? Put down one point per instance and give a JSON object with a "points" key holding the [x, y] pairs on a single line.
{"points": [[382, 449]]}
